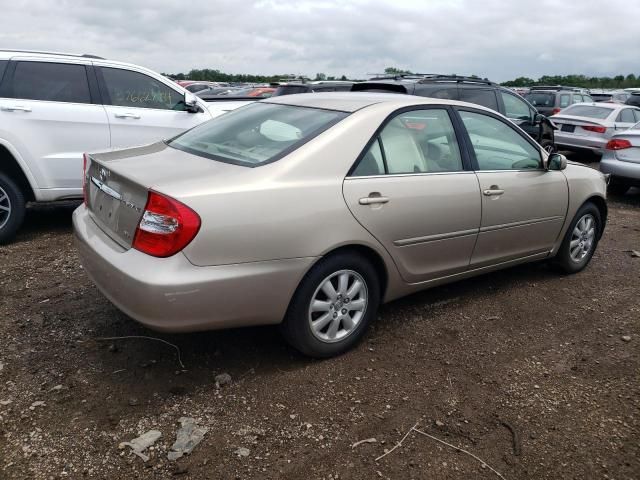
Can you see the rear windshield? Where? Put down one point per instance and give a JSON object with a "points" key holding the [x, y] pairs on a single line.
{"points": [[256, 134], [588, 111], [289, 90], [541, 99], [601, 97]]}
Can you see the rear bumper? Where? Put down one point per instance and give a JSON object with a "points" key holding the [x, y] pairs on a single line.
{"points": [[627, 170], [171, 294], [569, 141]]}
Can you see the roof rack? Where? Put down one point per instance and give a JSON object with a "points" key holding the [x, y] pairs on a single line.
{"points": [[40, 52], [433, 77]]}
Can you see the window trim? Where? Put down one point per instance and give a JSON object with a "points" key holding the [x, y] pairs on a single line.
{"points": [[106, 98], [6, 86], [466, 161], [508, 123]]}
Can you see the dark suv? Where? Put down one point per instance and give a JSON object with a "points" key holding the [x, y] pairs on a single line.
{"points": [[311, 87], [472, 90], [550, 100]]}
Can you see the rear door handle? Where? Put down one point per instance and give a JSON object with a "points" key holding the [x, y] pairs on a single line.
{"points": [[15, 108], [372, 200], [135, 116], [493, 191]]}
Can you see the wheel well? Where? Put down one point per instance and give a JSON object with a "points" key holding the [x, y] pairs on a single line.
{"points": [[371, 255], [601, 205], [10, 167]]}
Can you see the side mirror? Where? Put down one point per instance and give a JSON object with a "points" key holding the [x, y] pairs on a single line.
{"points": [[191, 102], [556, 161]]}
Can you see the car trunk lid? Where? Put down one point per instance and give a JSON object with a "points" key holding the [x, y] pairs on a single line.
{"points": [[580, 126], [118, 183]]}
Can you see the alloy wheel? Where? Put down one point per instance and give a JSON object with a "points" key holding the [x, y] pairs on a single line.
{"points": [[5, 208], [338, 306], [582, 238]]}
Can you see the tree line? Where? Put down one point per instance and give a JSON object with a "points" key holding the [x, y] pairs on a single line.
{"points": [[584, 81]]}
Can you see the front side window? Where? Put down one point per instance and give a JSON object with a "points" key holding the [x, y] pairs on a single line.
{"points": [[484, 97], [54, 82], [577, 98], [514, 107], [126, 88], [256, 134], [418, 141], [498, 146]]}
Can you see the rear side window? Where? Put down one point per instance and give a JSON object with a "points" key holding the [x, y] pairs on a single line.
{"points": [[54, 82], [125, 88], [257, 133], [289, 90], [588, 111], [565, 99], [3, 67], [626, 116], [486, 98], [498, 146], [541, 99], [418, 141], [637, 115], [449, 93], [577, 98]]}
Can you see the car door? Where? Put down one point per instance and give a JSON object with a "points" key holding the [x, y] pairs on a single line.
{"points": [[523, 205], [52, 117], [519, 112], [411, 191], [142, 109]]}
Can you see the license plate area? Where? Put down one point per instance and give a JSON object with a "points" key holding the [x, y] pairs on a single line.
{"points": [[568, 128]]}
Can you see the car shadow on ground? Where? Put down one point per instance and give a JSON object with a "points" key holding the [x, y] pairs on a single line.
{"points": [[48, 218]]}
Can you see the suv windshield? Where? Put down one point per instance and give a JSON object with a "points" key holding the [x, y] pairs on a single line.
{"points": [[540, 99], [588, 111], [256, 134]]}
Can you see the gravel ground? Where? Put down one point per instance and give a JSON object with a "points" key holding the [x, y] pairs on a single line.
{"points": [[535, 373]]}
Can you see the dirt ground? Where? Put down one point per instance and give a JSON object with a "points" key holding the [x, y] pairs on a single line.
{"points": [[555, 359]]}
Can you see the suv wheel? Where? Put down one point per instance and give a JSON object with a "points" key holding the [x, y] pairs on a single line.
{"points": [[618, 187], [333, 306], [12, 208]]}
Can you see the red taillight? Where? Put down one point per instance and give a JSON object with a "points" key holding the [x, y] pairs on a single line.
{"points": [[85, 193], [618, 144], [594, 129], [555, 110], [166, 227]]}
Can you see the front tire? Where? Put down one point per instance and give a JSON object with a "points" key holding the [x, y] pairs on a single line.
{"points": [[581, 239], [333, 306], [12, 209]]}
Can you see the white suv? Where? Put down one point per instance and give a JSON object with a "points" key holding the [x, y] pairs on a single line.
{"points": [[54, 107]]}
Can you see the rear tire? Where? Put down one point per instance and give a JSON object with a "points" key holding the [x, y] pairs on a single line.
{"points": [[333, 306], [12, 208], [581, 240]]}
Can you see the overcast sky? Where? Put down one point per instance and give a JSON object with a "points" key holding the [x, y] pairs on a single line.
{"points": [[499, 39]]}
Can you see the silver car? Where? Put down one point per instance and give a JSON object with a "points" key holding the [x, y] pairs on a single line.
{"points": [[621, 159], [310, 210], [589, 126]]}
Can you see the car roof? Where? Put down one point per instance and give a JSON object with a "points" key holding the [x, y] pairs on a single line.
{"points": [[353, 101]]}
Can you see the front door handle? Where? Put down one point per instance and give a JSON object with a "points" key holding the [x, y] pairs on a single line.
{"points": [[373, 200], [128, 115], [15, 108], [492, 191]]}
